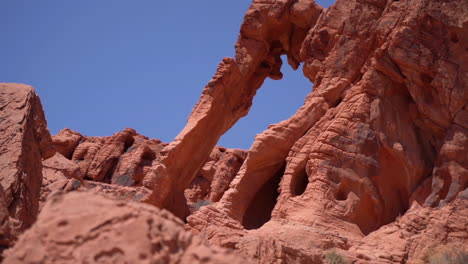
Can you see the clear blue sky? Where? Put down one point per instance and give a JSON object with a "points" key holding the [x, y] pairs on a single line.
{"points": [[100, 66]]}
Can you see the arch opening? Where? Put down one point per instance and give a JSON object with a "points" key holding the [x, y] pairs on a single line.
{"points": [[275, 101]]}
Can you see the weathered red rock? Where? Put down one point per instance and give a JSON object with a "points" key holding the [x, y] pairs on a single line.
{"points": [[82, 227], [97, 157], [66, 141], [136, 162], [214, 177], [24, 142], [386, 117], [416, 234], [7, 224], [61, 174], [125, 160], [120, 159], [270, 29]]}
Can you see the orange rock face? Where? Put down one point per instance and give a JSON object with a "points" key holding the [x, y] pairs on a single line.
{"points": [[24, 142], [373, 168], [384, 130]]}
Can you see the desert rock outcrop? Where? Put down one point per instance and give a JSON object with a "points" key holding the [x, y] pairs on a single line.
{"points": [[83, 227], [35, 166], [383, 130], [24, 142], [123, 165]]}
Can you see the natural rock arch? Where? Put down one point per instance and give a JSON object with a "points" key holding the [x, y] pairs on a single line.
{"points": [[268, 32], [339, 148]]}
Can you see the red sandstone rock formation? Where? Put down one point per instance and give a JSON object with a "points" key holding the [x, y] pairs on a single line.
{"points": [[24, 142], [82, 227], [7, 224], [385, 128], [270, 29], [126, 159], [374, 165], [419, 231], [214, 177], [66, 141], [112, 166]]}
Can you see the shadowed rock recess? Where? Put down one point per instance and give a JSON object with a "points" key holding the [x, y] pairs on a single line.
{"points": [[373, 168]]}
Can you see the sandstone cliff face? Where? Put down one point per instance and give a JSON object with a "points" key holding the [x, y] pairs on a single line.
{"points": [[24, 142], [383, 130]]}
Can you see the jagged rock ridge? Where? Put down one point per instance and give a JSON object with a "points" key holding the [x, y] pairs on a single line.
{"points": [[88, 213]]}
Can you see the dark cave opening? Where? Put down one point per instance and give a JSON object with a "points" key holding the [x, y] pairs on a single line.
{"points": [[341, 195], [128, 143], [262, 205], [110, 166], [338, 102], [299, 183], [342, 191]]}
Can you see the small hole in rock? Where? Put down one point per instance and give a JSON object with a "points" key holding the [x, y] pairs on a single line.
{"points": [[341, 196], [128, 143], [62, 223], [338, 102], [299, 183], [148, 155]]}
